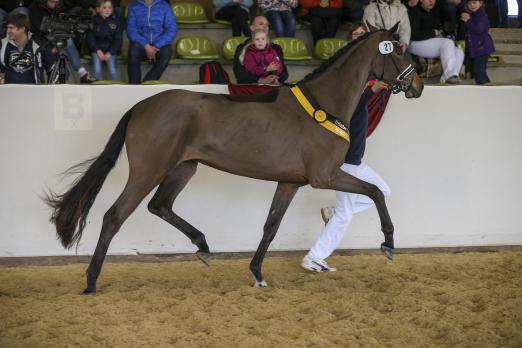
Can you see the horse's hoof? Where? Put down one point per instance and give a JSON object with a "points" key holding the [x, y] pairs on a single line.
{"points": [[262, 284], [204, 257], [89, 292], [387, 251]]}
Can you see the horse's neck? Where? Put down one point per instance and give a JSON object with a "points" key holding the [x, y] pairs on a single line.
{"points": [[339, 88]]}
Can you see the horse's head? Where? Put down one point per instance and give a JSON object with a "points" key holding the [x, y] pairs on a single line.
{"points": [[391, 65]]}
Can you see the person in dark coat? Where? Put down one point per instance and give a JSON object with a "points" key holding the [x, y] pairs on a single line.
{"points": [[479, 42], [20, 57], [104, 40]]}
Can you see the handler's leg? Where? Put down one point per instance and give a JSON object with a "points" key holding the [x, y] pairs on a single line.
{"points": [[347, 204]]}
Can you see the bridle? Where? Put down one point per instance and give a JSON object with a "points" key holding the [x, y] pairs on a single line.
{"points": [[404, 80]]}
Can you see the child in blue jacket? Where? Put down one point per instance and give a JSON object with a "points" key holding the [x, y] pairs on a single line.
{"points": [[479, 42]]}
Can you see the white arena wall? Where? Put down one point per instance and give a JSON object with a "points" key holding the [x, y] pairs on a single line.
{"points": [[453, 159]]}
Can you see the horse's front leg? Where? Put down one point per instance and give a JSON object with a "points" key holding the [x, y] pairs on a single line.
{"points": [[282, 198], [342, 181]]}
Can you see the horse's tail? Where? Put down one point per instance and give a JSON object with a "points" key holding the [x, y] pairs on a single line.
{"points": [[71, 208]]}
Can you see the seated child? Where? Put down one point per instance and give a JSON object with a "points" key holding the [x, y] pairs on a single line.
{"points": [[260, 58], [105, 39]]}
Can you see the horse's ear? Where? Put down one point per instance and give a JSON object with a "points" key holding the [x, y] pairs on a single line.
{"points": [[370, 27], [393, 29]]}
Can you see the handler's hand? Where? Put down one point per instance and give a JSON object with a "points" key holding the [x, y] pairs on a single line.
{"points": [[379, 86]]}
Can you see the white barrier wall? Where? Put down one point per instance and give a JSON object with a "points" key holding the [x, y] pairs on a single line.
{"points": [[453, 159]]}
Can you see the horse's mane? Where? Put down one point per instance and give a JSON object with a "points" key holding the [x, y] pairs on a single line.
{"points": [[325, 65]]}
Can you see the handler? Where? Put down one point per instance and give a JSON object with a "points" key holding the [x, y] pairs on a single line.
{"points": [[338, 219]]}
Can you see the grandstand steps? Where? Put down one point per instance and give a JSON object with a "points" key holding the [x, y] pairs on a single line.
{"points": [[181, 71]]}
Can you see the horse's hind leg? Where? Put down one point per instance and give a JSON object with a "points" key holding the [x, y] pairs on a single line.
{"points": [[282, 198], [342, 181], [134, 192], [161, 205]]}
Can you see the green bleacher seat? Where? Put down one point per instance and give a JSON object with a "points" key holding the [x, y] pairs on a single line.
{"points": [[156, 82], [325, 48], [293, 48], [230, 45], [189, 13], [196, 47], [220, 21], [108, 82]]}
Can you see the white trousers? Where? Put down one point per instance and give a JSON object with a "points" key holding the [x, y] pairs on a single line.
{"points": [[451, 56], [347, 204]]}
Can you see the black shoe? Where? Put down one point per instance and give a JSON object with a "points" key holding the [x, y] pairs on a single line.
{"points": [[87, 78]]}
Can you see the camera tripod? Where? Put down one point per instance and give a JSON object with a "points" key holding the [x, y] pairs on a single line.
{"points": [[58, 72]]}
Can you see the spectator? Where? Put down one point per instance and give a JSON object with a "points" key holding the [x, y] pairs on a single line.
{"points": [[357, 30], [384, 14], [20, 59], [242, 74], [426, 40], [323, 15], [353, 10], [235, 11], [12, 7], [104, 40], [479, 42], [151, 27], [52, 8], [260, 58], [338, 219], [280, 16]]}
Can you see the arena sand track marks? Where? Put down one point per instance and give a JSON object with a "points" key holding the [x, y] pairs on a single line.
{"points": [[466, 300]]}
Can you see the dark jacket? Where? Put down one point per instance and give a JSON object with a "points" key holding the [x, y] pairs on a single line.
{"points": [[423, 23], [105, 35], [21, 66], [245, 76], [37, 11], [358, 127], [476, 31], [9, 5], [154, 24]]}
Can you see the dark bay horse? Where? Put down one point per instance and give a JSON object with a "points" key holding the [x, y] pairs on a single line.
{"points": [[166, 135]]}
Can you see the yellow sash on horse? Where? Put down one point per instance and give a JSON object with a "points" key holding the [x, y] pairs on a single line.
{"points": [[319, 115]]}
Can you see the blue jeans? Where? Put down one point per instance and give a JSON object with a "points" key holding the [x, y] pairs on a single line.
{"points": [[97, 66], [480, 65], [519, 2], [283, 23], [502, 13], [72, 53], [137, 54]]}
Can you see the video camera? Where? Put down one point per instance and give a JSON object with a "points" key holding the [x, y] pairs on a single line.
{"points": [[68, 25]]}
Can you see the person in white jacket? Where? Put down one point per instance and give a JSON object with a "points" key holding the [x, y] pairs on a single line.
{"points": [[384, 14]]}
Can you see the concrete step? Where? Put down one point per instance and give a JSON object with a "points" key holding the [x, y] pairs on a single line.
{"points": [[508, 48]]}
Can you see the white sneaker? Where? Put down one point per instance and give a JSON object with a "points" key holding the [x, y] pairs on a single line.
{"points": [[316, 265], [327, 213]]}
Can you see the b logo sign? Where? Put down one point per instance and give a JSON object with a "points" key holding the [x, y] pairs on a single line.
{"points": [[386, 47], [72, 108]]}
